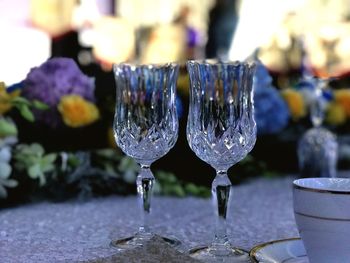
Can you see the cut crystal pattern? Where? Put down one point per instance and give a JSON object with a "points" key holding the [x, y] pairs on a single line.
{"points": [[146, 123], [318, 147], [221, 129], [145, 128], [318, 153]]}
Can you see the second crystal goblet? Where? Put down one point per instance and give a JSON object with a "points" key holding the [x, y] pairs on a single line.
{"points": [[221, 130], [145, 128]]}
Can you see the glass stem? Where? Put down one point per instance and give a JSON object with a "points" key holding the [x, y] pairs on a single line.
{"points": [[144, 182], [221, 189]]}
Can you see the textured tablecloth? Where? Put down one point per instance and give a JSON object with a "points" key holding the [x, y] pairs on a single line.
{"points": [[261, 210]]}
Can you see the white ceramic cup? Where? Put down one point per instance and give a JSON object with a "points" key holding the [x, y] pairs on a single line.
{"points": [[322, 214]]}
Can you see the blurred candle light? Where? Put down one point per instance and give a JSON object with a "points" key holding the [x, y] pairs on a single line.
{"points": [[52, 16], [114, 40], [167, 43], [21, 49], [84, 16], [258, 21]]}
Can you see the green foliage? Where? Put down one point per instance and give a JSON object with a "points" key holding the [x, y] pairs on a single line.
{"points": [[197, 190], [24, 107], [168, 184], [34, 161], [39, 105], [126, 168], [7, 128], [129, 169], [102, 172], [26, 112], [117, 165], [5, 172]]}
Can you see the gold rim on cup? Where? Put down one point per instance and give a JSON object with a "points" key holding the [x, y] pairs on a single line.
{"points": [[254, 250]]}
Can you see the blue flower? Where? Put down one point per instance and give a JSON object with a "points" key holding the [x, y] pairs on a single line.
{"points": [[271, 111], [262, 77]]}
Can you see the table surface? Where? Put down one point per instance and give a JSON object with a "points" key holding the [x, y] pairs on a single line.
{"points": [[260, 211]]}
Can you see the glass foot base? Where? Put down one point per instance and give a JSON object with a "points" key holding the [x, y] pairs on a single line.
{"points": [[229, 254], [140, 240]]}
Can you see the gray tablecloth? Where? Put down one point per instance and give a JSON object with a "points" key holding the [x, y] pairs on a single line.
{"points": [[261, 210]]}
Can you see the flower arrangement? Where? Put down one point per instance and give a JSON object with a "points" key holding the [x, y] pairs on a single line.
{"points": [[284, 113], [279, 109], [10, 99], [58, 95], [336, 105], [51, 83]]}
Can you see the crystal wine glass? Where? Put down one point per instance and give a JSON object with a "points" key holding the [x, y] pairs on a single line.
{"points": [[145, 128], [221, 130], [318, 147]]}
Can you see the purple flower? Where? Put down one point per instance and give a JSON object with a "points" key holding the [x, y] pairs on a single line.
{"points": [[52, 80]]}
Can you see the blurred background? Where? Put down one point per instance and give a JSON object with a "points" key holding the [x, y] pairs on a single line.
{"points": [[296, 41]]}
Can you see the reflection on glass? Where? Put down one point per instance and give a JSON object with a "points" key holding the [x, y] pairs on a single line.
{"points": [[221, 130], [145, 128]]}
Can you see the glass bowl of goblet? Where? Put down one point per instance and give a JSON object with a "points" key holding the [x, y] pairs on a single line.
{"points": [[221, 131], [145, 128]]}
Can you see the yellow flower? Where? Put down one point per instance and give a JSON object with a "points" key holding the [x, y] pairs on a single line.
{"points": [[5, 98], [295, 103], [342, 97], [76, 111], [336, 114]]}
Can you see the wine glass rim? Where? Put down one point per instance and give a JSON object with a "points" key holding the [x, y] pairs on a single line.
{"points": [[145, 65], [212, 62]]}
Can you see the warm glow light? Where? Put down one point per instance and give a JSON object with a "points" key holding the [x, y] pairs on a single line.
{"points": [[258, 21], [21, 49], [167, 43], [156, 12], [114, 40], [52, 16]]}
